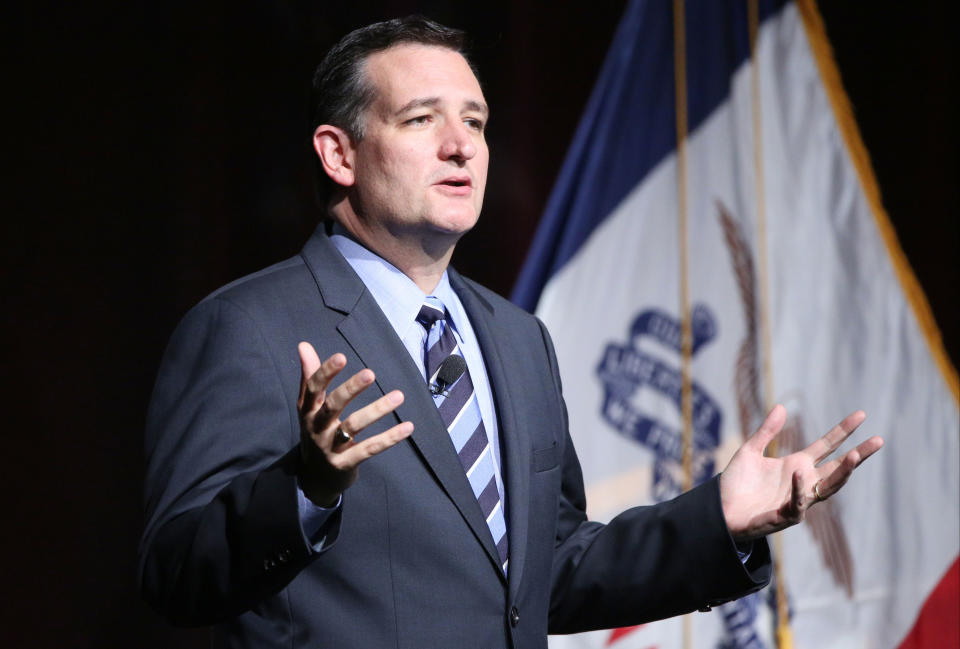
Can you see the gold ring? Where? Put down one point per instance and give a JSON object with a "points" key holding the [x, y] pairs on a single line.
{"points": [[342, 436], [816, 490]]}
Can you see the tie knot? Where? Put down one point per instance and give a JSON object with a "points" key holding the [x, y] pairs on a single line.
{"points": [[431, 311]]}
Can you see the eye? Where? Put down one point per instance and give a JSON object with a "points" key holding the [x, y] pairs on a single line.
{"points": [[474, 123], [419, 120]]}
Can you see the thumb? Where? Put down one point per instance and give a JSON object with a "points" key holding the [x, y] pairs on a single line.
{"points": [[769, 429]]}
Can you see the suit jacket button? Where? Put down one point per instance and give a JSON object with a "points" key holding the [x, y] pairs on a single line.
{"points": [[705, 609], [269, 564], [514, 616]]}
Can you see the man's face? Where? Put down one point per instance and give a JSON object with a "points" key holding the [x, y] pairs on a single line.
{"points": [[421, 167]]}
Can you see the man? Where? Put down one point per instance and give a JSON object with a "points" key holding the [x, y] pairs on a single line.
{"points": [[426, 501]]}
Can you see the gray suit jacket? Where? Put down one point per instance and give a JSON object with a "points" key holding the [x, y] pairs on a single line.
{"points": [[409, 561]]}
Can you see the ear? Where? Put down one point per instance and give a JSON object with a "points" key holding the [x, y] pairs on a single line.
{"points": [[336, 152]]}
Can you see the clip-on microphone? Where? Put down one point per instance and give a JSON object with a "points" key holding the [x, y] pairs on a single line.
{"points": [[451, 369]]}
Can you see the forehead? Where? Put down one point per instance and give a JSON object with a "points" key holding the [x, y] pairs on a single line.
{"points": [[409, 71]]}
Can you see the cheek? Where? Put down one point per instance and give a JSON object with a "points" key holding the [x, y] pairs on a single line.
{"points": [[483, 161], [400, 169], [385, 163]]}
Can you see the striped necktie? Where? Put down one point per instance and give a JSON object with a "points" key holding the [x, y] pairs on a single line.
{"points": [[460, 412]]}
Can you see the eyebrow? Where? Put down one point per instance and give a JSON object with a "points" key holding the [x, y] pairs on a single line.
{"points": [[432, 102]]}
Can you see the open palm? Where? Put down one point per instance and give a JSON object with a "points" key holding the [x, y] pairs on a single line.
{"points": [[761, 495]]}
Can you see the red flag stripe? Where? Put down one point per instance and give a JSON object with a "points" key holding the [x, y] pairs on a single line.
{"points": [[938, 624], [616, 634]]}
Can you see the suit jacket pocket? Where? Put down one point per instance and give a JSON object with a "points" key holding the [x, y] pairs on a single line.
{"points": [[545, 459]]}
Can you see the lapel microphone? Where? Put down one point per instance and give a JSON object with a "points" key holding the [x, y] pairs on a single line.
{"points": [[451, 369]]}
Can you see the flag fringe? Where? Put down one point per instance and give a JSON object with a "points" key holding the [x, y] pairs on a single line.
{"points": [[843, 113]]}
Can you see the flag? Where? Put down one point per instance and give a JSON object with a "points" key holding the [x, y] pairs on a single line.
{"points": [[715, 243]]}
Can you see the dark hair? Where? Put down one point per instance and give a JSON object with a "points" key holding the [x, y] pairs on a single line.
{"points": [[341, 90]]}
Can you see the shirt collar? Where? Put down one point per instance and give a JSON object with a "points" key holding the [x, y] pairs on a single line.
{"points": [[397, 295]]}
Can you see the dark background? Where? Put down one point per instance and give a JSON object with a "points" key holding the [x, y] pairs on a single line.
{"points": [[160, 151]]}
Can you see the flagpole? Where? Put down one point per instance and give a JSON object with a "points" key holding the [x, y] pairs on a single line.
{"points": [[783, 634], [686, 337]]}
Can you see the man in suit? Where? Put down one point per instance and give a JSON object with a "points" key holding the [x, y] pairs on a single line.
{"points": [[296, 503]]}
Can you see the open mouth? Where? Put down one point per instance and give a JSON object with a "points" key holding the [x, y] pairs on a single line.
{"points": [[455, 182]]}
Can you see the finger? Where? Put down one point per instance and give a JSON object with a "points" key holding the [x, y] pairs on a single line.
{"points": [[825, 469], [317, 381], [337, 400], [769, 429], [792, 509], [827, 444], [371, 446], [868, 448], [309, 363], [372, 412], [838, 477], [796, 495], [340, 437]]}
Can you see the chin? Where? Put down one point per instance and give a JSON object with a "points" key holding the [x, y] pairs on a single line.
{"points": [[458, 223]]}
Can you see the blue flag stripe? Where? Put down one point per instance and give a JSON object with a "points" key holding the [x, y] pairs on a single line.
{"points": [[629, 123]]}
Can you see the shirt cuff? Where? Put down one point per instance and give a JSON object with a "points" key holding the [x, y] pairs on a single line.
{"points": [[314, 519]]}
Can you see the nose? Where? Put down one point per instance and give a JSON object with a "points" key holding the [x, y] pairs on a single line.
{"points": [[457, 142]]}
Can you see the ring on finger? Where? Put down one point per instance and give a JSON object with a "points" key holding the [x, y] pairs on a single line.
{"points": [[342, 436], [816, 491]]}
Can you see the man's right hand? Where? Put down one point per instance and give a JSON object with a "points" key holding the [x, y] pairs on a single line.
{"points": [[329, 463]]}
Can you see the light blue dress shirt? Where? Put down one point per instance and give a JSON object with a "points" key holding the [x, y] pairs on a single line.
{"points": [[400, 300]]}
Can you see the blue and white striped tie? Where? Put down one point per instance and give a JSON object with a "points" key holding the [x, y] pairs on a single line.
{"points": [[461, 415]]}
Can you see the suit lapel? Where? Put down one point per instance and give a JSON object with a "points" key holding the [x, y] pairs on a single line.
{"points": [[498, 358], [370, 336]]}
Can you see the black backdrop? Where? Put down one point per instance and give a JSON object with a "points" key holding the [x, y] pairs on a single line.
{"points": [[160, 151]]}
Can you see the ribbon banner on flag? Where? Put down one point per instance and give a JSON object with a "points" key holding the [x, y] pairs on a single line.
{"points": [[718, 207]]}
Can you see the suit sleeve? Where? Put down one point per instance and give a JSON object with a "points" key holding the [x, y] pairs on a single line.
{"points": [[648, 563], [222, 523]]}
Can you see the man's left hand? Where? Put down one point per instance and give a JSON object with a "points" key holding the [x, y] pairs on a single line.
{"points": [[761, 495]]}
